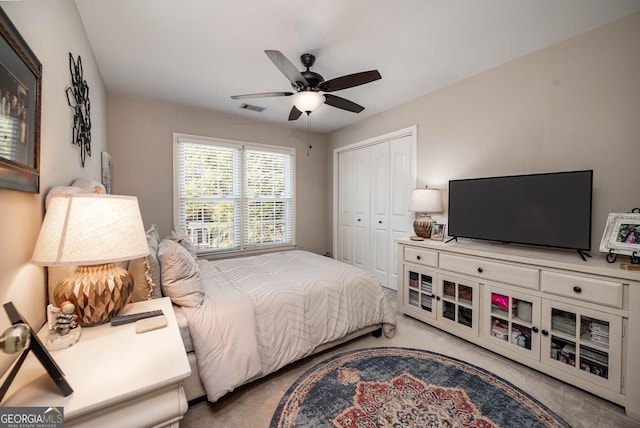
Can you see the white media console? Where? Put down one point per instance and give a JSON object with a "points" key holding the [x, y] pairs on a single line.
{"points": [[578, 321]]}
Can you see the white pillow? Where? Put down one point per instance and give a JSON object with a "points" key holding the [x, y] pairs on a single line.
{"points": [[180, 275], [89, 186]]}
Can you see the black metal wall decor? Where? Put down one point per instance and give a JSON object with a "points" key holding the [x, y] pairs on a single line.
{"points": [[78, 99]]}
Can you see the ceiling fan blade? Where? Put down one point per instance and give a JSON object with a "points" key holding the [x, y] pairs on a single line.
{"points": [[349, 81], [262, 95], [344, 104], [287, 68], [294, 114]]}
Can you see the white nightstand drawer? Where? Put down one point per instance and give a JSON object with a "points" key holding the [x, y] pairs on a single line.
{"points": [[509, 274], [585, 288], [420, 256]]}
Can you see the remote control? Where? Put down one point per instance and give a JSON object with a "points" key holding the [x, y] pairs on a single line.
{"points": [[125, 319], [149, 324]]}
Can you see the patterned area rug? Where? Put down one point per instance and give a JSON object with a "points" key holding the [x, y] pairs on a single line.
{"points": [[401, 387]]}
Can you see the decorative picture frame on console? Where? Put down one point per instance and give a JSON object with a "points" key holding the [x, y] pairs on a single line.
{"points": [[622, 234], [437, 233]]}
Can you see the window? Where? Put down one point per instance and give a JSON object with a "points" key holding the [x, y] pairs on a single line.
{"points": [[233, 196]]}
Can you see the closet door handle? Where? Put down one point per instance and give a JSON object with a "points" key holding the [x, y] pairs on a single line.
{"points": [[545, 333], [534, 329], [418, 257], [480, 270], [577, 289], [379, 221], [359, 219]]}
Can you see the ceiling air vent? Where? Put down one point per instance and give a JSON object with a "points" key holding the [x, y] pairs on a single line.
{"points": [[246, 106]]}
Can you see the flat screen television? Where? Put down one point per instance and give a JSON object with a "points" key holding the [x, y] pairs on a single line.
{"points": [[551, 210]]}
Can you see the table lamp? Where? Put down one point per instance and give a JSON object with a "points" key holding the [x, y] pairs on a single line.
{"points": [[92, 231], [424, 201]]}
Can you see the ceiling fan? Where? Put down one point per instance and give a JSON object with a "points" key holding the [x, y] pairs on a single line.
{"points": [[311, 88]]}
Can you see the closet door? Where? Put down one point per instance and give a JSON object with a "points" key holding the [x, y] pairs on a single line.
{"points": [[379, 155], [346, 207], [361, 209], [401, 183], [374, 185]]}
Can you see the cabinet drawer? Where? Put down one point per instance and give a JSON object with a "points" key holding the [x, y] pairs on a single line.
{"points": [[585, 288], [509, 274], [420, 256]]}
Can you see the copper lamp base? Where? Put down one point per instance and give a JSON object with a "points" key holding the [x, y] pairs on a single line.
{"points": [[98, 292], [423, 226]]}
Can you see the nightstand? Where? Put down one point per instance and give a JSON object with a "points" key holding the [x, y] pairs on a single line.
{"points": [[119, 378]]}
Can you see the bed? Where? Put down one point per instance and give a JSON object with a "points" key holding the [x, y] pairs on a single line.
{"points": [[243, 318], [247, 317]]}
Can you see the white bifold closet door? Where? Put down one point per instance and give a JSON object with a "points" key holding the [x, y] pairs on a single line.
{"points": [[374, 188], [354, 207]]}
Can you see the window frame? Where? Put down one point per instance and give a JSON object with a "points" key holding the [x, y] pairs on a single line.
{"points": [[242, 146]]}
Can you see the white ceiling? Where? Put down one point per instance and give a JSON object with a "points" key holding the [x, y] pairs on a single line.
{"points": [[200, 52]]}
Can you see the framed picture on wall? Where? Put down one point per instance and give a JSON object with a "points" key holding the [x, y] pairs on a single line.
{"points": [[20, 92], [106, 171], [437, 233]]}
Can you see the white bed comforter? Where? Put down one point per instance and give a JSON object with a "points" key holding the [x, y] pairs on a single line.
{"points": [[261, 313]]}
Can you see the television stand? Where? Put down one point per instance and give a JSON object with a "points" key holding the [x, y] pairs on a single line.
{"points": [[563, 317], [455, 238]]}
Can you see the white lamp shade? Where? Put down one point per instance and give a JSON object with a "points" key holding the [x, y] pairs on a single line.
{"points": [[308, 100], [90, 229], [426, 201]]}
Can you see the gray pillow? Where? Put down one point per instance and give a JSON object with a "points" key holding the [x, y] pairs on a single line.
{"points": [[180, 275]]}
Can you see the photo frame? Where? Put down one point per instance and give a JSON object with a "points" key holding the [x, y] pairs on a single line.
{"points": [[20, 106], [622, 234], [41, 353], [437, 233]]}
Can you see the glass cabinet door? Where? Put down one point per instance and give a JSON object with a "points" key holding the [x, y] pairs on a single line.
{"points": [[583, 342], [458, 305], [420, 293], [512, 320]]}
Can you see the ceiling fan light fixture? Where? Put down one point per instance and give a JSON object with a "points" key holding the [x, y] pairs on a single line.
{"points": [[308, 101], [311, 90]]}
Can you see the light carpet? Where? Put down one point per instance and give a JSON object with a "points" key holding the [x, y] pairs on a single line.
{"points": [[253, 405]]}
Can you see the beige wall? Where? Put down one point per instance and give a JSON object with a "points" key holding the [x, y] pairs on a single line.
{"points": [[52, 29], [571, 106], [141, 145]]}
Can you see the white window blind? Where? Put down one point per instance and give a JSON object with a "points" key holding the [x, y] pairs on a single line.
{"points": [[268, 197], [234, 197]]}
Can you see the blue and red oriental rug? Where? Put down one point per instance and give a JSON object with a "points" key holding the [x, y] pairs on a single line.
{"points": [[401, 387]]}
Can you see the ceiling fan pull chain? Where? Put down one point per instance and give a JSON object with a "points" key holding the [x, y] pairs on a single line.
{"points": [[309, 133]]}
